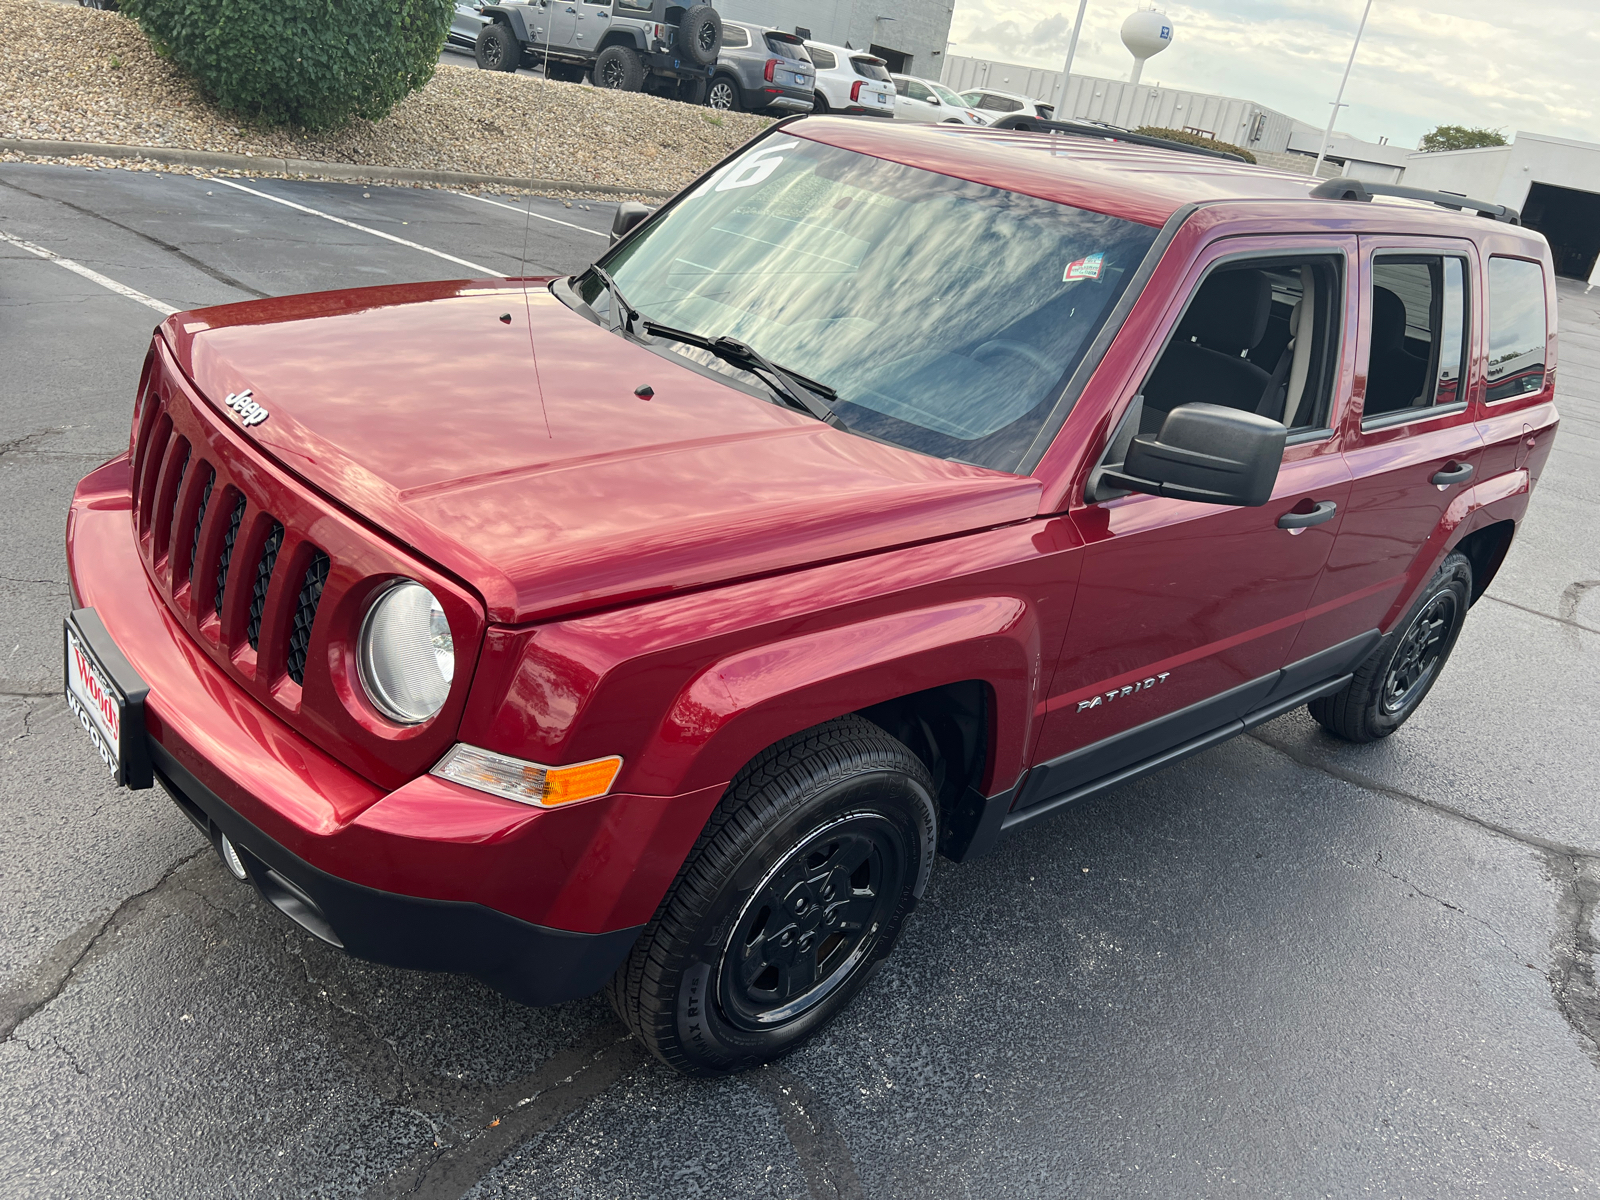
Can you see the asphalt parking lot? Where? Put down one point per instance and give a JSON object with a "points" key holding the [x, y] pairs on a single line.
{"points": [[1288, 966]]}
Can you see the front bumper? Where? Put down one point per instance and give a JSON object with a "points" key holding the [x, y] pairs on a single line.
{"points": [[542, 904]]}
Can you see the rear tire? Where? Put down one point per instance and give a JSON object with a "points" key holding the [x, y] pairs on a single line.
{"points": [[691, 91], [497, 49], [619, 68], [794, 893], [819, 104], [723, 95], [1392, 683]]}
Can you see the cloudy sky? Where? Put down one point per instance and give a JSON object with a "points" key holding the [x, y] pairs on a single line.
{"points": [[1508, 64]]}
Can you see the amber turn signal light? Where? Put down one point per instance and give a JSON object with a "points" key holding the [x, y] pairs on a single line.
{"points": [[527, 782]]}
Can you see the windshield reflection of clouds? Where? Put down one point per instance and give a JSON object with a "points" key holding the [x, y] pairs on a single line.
{"points": [[946, 314]]}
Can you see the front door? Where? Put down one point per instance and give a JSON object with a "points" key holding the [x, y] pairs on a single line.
{"points": [[1186, 612], [1410, 440]]}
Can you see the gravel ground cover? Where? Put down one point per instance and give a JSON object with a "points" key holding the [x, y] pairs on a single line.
{"points": [[78, 74]]}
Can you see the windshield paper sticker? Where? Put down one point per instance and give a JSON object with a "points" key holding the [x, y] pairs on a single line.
{"points": [[1084, 268], [745, 172]]}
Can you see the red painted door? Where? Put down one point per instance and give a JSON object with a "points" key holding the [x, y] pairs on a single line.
{"points": [[1186, 612], [1411, 453]]}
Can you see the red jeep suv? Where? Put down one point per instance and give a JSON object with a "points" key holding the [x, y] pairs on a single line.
{"points": [[891, 488]]}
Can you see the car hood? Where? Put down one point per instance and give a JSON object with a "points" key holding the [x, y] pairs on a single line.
{"points": [[516, 455]]}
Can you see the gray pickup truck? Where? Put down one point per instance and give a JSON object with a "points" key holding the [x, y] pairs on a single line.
{"points": [[659, 46]]}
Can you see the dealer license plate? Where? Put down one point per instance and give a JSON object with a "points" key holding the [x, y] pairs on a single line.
{"points": [[107, 696]]}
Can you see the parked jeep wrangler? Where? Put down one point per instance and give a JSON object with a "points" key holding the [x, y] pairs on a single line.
{"points": [[890, 489], [630, 45]]}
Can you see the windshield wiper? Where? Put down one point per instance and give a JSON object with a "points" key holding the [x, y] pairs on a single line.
{"points": [[793, 389], [626, 312]]}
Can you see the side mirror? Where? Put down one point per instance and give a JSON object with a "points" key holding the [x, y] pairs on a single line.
{"points": [[629, 214], [1208, 453]]}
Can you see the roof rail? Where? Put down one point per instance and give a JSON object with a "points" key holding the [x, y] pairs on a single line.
{"points": [[1021, 124], [1345, 188]]}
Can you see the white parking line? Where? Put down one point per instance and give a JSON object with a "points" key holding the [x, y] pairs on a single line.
{"points": [[529, 213], [121, 289], [388, 237]]}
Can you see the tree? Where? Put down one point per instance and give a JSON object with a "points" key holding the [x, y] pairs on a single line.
{"points": [[1459, 137], [303, 61]]}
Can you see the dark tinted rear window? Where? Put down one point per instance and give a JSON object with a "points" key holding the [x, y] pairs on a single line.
{"points": [[868, 69], [787, 49], [1517, 330], [824, 59]]}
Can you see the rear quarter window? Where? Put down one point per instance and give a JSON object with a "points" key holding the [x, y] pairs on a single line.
{"points": [[824, 59], [734, 38], [1518, 327]]}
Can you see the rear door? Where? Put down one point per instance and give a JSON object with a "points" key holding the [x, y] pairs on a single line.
{"points": [[1410, 440], [1186, 612]]}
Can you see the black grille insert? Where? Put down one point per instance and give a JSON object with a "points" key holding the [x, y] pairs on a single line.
{"points": [[258, 599], [305, 614], [227, 550], [199, 520]]}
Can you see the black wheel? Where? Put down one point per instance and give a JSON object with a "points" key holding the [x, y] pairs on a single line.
{"points": [[794, 893], [700, 34], [497, 48], [691, 90], [1390, 685], [723, 94], [619, 68], [819, 103], [564, 72]]}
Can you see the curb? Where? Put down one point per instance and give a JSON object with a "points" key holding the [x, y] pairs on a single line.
{"points": [[300, 166]]}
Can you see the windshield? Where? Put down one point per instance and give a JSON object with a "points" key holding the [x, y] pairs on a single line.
{"points": [[945, 315], [947, 95]]}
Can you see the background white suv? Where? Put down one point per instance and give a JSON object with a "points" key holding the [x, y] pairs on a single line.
{"points": [[932, 103], [851, 81], [995, 105]]}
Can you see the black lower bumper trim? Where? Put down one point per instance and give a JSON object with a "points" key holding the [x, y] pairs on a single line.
{"points": [[529, 963]]}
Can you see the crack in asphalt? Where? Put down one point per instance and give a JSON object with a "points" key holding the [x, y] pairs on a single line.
{"points": [[21, 445], [567, 1081], [823, 1153], [1568, 621], [55, 971], [1574, 948], [42, 582], [220, 276]]}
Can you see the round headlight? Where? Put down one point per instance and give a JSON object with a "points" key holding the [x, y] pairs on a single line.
{"points": [[406, 655]]}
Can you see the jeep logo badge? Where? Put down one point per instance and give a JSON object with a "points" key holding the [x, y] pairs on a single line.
{"points": [[246, 409]]}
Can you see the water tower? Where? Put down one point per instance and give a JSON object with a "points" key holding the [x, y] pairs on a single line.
{"points": [[1145, 33]]}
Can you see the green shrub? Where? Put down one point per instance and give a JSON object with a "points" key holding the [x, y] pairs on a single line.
{"points": [[1195, 139], [308, 62]]}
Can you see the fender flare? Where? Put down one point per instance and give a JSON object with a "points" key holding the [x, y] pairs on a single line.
{"points": [[634, 39], [739, 705], [513, 16]]}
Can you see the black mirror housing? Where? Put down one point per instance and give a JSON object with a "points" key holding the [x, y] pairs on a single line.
{"points": [[629, 214], [1208, 453]]}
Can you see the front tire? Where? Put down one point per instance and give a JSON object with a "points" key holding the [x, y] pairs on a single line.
{"points": [[497, 49], [796, 890], [723, 95], [1392, 683], [619, 68]]}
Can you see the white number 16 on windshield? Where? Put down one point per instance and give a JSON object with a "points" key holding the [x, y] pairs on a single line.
{"points": [[745, 171]]}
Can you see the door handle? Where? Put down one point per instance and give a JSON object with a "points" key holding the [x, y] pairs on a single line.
{"points": [[1454, 473], [1322, 511]]}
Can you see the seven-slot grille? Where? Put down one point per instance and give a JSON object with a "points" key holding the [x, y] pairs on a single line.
{"points": [[199, 567]]}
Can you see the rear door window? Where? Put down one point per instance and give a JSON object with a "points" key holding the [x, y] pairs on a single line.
{"points": [[1420, 315], [1517, 327]]}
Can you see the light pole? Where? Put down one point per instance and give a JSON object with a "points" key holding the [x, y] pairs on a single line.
{"points": [[1338, 101], [1061, 113]]}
